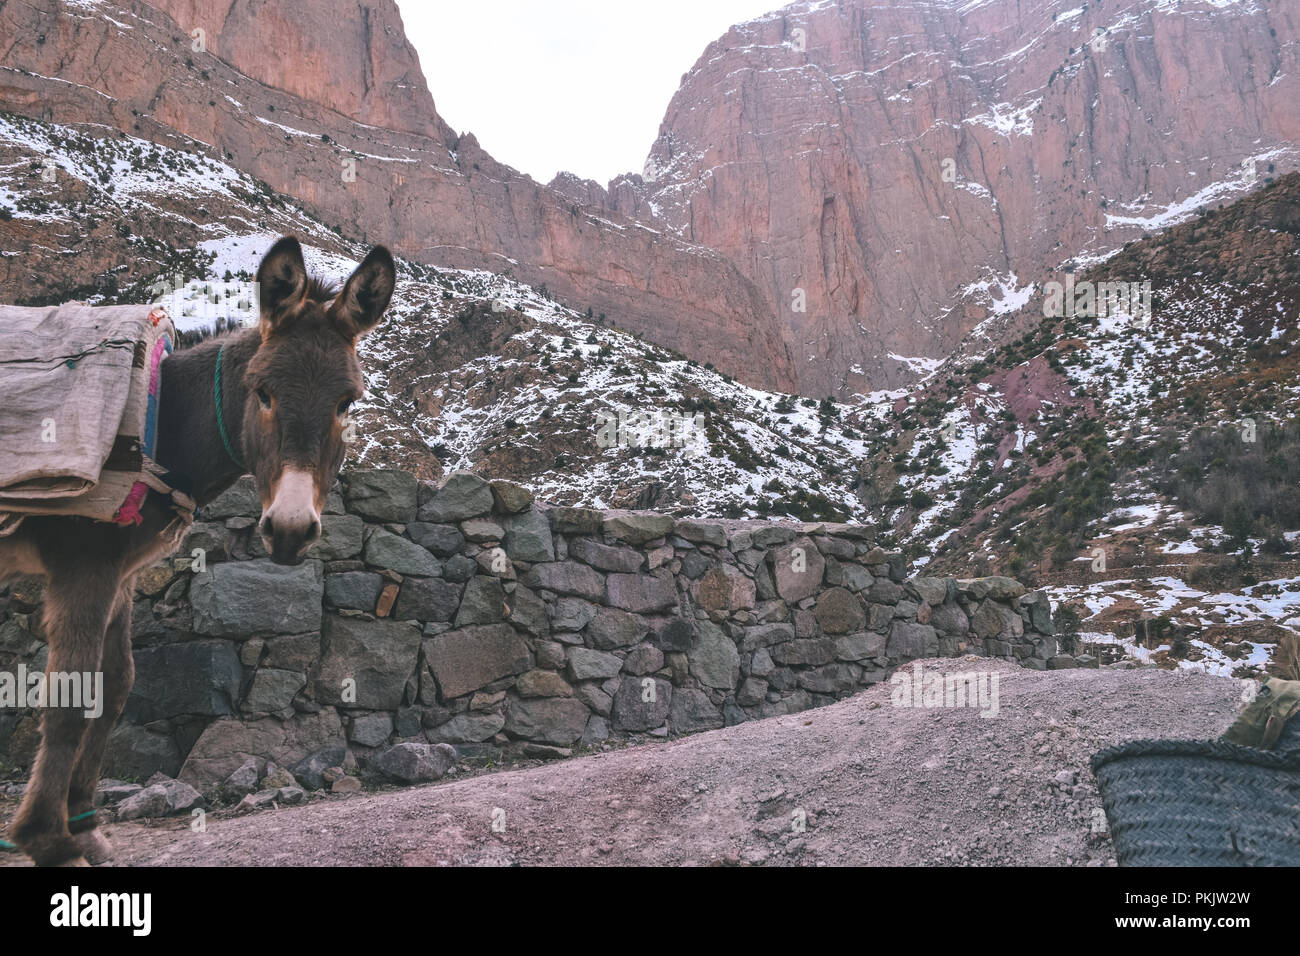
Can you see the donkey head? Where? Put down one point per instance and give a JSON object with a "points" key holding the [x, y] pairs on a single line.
{"points": [[301, 381]]}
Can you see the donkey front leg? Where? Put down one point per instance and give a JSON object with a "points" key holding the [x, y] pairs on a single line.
{"points": [[119, 674], [78, 605]]}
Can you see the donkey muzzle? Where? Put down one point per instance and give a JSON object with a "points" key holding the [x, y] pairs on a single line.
{"points": [[291, 524]]}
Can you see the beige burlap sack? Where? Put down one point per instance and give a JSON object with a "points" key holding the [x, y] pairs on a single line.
{"points": [[79, 392]]}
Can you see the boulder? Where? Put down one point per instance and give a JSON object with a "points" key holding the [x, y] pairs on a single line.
{"points": [[933, 591], [677, 635], [471, 727], [483, 602], [611, 628], [992, 619], [310, 771], [641, 703], [835, 678], [998, 588], [542, 683], [525, 610], [691, 711], [381, 494], [528, 537], [714, 659], [642, 593], [134, 751], [273, 690], [371, 730], [427, 599], [227, 743], [465, 659], [549, 720], [797, 568], [444, 540], [643, 659], [394, 553], [354, 589], [241, 782], [855, 577], [585, 521], [572, 614], [839, 611], [567, 577], [637, 528], [416, 762], [726, 588], [200, 678], [510, 498], [605, 557], [366, 663], [695, 564], [587, 664], [950, 619], [340, 538], [463, 495], [752, 691], [860, 646], [240, 500], [482, 530], [804, 652], [245, 598], [908, 639], [701, 532], [766, 635]]}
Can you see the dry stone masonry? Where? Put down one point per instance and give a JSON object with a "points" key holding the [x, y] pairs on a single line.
{"points": [[464, 620]]}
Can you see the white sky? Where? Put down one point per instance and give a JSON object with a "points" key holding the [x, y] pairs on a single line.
{"points": [[579, 85]]}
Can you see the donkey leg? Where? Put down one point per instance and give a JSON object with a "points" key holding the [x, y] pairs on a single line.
{"points": [[78, 604], [119, 674]]}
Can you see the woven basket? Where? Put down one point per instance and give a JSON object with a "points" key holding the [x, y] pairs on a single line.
{"points": [[1202, 803]]}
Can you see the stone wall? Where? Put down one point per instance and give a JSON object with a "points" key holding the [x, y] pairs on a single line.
{"points": [[466, 614]]}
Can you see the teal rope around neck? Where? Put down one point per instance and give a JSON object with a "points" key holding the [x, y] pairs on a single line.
{"points": [[221, 419]]}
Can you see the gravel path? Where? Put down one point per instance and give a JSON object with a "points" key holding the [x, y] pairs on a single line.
{"points": [[874, 784]]}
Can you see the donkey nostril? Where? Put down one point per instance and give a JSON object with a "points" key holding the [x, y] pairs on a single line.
{"points": [[266, 528], [314, 531]]}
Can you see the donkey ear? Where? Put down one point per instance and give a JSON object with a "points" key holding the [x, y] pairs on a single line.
{"points": [[358, 308], [281, 282]]}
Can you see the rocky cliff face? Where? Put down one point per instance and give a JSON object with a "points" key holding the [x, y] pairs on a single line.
{"points": [[341, 120], [365, 70], [842, 192], [909, 165]]}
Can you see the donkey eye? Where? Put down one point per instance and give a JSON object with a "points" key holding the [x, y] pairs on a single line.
{"points": [[264, 398], [344, 406]]}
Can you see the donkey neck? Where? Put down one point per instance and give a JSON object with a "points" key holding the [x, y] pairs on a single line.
{"points": [[189, 438]]}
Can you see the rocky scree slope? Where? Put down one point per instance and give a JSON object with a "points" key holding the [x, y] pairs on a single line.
{"points": [[1140, 466]]}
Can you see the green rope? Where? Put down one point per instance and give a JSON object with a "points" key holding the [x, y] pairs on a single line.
{"points": [[221, 420], [7, 847]]}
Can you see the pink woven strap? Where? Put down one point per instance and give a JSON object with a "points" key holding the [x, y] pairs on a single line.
{"points": [[129, 513]]}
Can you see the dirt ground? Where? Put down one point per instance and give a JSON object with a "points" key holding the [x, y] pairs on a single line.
{"points": [[866, 782]]}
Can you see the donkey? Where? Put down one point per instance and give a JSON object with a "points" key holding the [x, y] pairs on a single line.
{"points": [[285, 387]]}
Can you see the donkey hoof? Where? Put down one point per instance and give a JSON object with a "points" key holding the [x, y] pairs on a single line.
{"points": [[94, 846]]}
